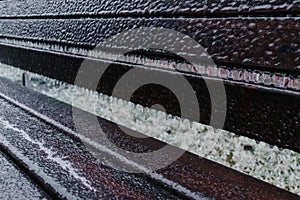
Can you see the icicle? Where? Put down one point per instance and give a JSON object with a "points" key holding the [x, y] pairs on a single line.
{"points": [[191, 124], [178, 121], [25, 79]]}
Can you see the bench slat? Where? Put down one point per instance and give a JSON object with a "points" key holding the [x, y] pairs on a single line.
{"points": [[252, 43], [54, 8]]}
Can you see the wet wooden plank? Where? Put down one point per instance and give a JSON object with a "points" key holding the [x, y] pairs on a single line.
{"points": [[255, 43], [55, 8]]}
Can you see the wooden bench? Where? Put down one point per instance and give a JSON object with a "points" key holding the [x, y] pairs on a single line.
{"points": [[255, 45]]}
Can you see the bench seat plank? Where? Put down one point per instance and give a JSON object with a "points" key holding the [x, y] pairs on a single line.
{"points": [[54, 8], [255, 43]]}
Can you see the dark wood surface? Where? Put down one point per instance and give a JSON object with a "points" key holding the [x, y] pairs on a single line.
{"points": [[255, 43], [247, 35], [194, 8]]}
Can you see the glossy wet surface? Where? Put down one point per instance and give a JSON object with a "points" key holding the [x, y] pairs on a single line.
{"points": [[16, 185]]}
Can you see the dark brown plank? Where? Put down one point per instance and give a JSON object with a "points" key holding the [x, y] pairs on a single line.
{"points": [[56, 8], [258, 43]]}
